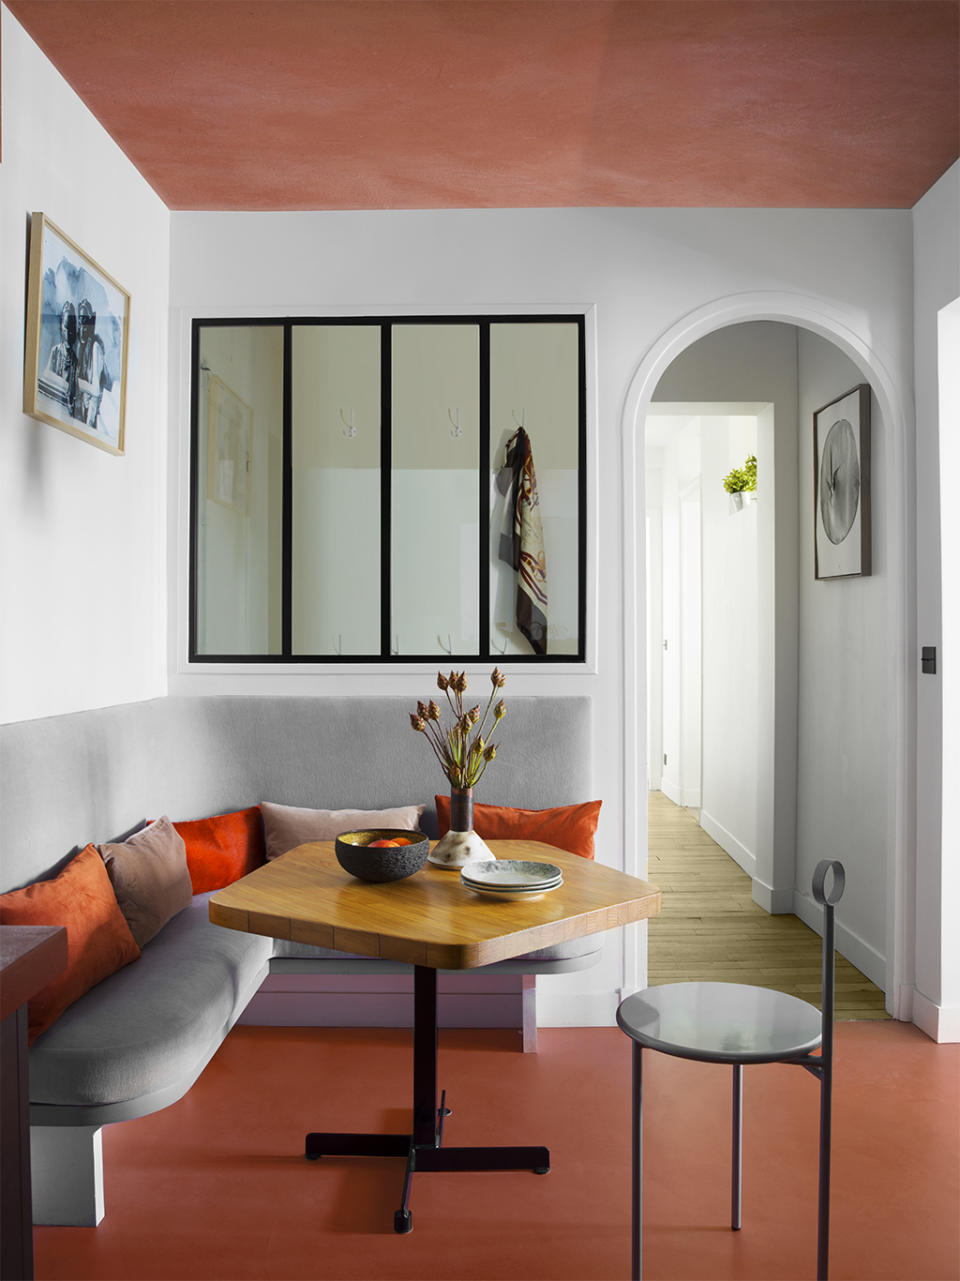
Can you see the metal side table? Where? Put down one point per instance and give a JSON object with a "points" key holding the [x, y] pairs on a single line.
{"points": [[736, 1024]]}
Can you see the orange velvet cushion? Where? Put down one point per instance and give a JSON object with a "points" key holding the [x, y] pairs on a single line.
{"points": [[569, 827], [99, 941], [222, 849]]}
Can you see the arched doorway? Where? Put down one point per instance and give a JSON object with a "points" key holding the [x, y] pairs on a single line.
{"points": [[890, 544]]}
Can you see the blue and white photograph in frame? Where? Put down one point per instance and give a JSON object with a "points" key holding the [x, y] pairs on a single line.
{"points": [[75, 353]]}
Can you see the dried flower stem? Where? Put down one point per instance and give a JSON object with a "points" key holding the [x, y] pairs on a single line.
{"points": [[463, 761]]}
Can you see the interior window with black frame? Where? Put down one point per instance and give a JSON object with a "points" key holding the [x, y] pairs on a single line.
{"points": [[388, 489]]}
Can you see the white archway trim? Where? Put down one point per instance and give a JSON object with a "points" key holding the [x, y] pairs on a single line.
{"points": [[838, 326]]}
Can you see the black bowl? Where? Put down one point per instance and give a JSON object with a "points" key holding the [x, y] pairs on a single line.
{"points": [[383, 862]]}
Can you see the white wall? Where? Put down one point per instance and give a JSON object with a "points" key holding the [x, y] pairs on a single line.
{"points": [[733, 771], [936, 256], [847, 736], [82, 531], [948, 1027], [679, 581], [706, 576], [635, 272]]}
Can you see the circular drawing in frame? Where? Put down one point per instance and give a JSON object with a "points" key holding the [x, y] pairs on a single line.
{"points": [[839, 481]]}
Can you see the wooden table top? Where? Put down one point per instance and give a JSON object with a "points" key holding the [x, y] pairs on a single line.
{"points": [[429, 918], [30, 956]]}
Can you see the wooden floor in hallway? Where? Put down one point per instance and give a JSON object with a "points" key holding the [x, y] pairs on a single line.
{"points": [[710, 929]]}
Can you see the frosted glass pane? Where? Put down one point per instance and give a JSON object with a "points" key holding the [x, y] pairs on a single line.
{"points": [[336, 489], [535, 383], [239, 490], [435, 529]]}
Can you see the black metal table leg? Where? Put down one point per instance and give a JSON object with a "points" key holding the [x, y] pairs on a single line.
{"points": [[422, 1148], [636, 1216], [736, 1173]]}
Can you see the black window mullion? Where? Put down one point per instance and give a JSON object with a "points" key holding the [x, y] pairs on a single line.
{"points": [[286, 643], [484, 490], [582, 494], [193, 622], [386, 490]]}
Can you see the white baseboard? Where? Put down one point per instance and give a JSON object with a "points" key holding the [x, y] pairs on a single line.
{"points": [[727, 841], [776, 902], [940, 1022], [586, 1009], [857, 951], [670, 790]]}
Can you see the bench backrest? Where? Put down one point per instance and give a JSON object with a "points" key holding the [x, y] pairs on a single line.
{"points": [[93, 776]]}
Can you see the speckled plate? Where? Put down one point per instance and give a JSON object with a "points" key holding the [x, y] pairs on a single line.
{"points": [[512, 896], [512, 874]]}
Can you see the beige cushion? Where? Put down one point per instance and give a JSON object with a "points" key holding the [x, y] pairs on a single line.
{"points": [[150, 877], [287, 826]]}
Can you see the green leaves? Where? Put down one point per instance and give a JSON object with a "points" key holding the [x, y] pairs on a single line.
{"points": [[742, 478]]}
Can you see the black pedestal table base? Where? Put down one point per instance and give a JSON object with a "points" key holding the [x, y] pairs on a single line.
{"points": [[422, 1148]]}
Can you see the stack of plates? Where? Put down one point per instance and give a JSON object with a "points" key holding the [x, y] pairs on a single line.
{"points": [[511, 878]]}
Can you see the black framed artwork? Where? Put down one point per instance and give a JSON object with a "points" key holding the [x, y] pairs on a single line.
{"points": [[841, 487]]}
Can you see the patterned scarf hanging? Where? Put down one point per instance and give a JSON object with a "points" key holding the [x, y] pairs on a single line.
{"points": [[521, 543]]}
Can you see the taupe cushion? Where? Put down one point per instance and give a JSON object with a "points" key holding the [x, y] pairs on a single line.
{"points": [[135, 1035], [287, 826], [150, 877]]}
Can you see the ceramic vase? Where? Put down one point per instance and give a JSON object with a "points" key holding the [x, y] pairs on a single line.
{"points": [[461, 845]]}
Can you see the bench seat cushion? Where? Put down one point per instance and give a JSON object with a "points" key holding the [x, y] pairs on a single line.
{"points": [[154, 1024]]}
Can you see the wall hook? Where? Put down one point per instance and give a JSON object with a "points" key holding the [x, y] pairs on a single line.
{"points": [[457, 429], [349, 428]]}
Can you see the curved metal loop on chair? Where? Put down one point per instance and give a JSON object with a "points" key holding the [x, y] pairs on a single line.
{"points": [[819, 879]]}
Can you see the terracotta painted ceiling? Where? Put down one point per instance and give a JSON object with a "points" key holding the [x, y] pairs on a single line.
{"points": [[414, 104]]}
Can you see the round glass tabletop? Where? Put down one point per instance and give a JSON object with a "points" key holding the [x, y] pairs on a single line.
{"points": [[721, 1022]]}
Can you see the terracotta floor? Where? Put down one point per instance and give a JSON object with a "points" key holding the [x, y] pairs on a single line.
{"points": [[216, 1186]]}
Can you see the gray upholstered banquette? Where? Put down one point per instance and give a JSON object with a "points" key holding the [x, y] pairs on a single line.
{"points": [[138, 1040]]}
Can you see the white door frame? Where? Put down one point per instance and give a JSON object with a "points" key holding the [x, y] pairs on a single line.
{"points": [[838, 326]]}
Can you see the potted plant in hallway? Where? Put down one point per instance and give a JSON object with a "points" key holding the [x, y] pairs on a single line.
{"points": [[741, 484]]}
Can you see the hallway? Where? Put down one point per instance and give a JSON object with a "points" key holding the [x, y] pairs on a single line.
{"points": [[710, 929]]}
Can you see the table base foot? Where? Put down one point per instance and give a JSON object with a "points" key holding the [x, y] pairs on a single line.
{"points": [[425, 1157], [536, 1159], [318, 1145]]}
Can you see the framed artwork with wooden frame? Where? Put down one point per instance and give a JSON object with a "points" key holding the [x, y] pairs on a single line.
{"points": [[229, 447], [75, 348], [841, 486]]}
